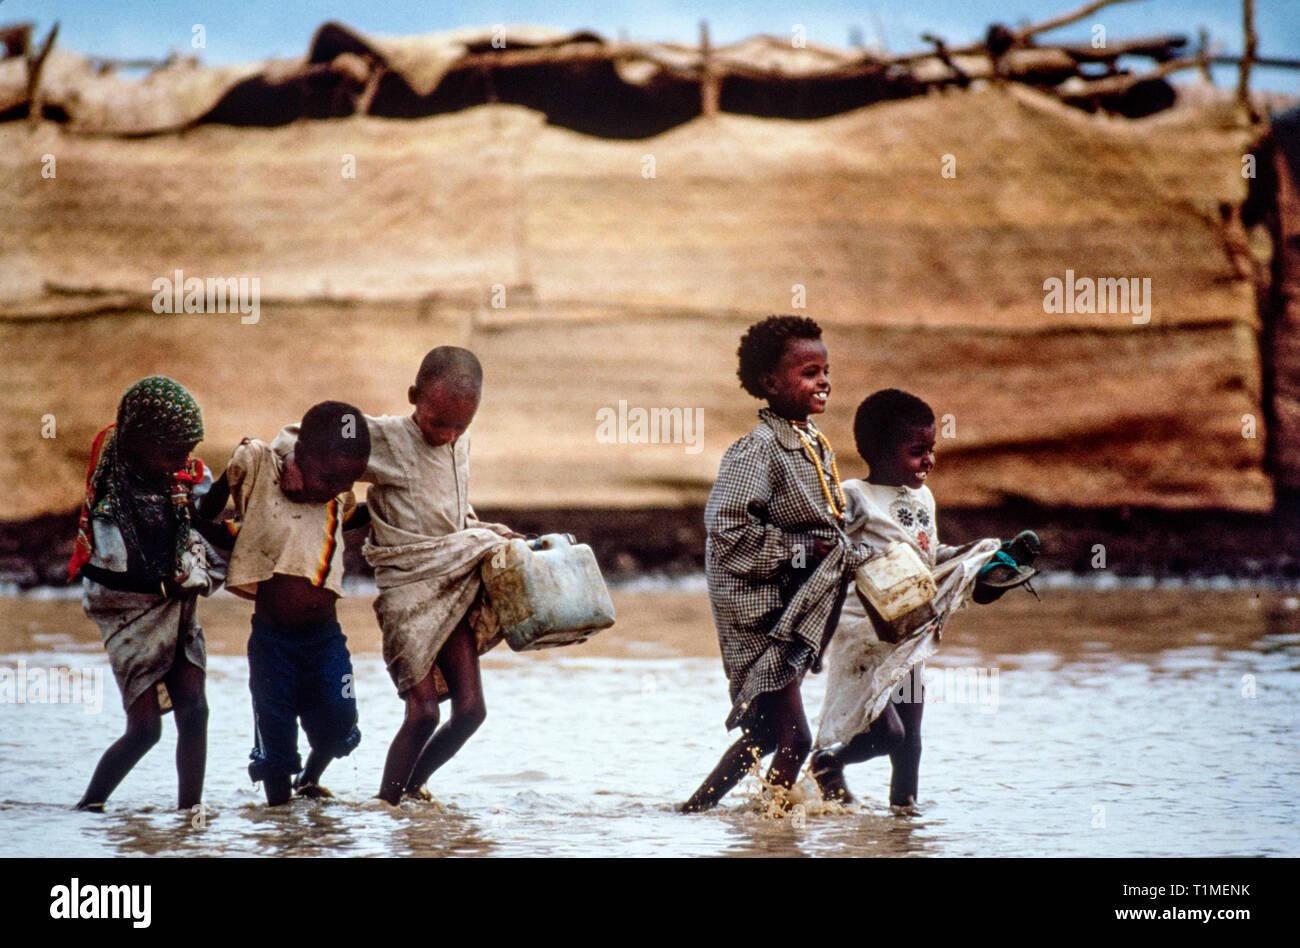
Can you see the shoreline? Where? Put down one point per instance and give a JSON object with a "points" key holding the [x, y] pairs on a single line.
{"points": [[630, 542]]}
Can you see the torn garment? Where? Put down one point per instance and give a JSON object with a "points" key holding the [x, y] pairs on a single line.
{"points": [[425, 589]]}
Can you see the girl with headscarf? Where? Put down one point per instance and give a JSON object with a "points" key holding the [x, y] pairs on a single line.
{"points": [[143, 564]]}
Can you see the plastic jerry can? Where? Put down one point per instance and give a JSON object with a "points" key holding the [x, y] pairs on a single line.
{"points": [[547, 592], [898, 588]]}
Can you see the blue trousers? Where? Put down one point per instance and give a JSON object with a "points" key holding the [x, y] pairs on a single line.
{"points": [[293, 675]]}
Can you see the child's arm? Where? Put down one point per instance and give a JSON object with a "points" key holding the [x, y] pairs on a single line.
{"points": [[359, 518], [227, 487], [472, 520], [942, 551], [121, 581], [740, 538], [109, 566], [219, 534], [214, 501]]}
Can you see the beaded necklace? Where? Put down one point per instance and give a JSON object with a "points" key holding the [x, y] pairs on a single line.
{"points": [[835, 511]]}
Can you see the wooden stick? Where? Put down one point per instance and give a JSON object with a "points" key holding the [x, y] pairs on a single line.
{"points": [[101, 62], [35, 64], [710, 86], [1271, 62], [1247, 59], [1110, 85], [1203, 51], [371, 87], [1065, 19], [941, 51]]}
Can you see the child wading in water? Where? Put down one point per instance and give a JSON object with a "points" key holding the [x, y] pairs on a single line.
{"points": [[894, 432], [289, 557], [426, 544], [143, 565], [776, 560]]}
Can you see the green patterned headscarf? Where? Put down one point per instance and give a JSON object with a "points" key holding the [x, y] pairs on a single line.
{"points": [[162, 410]]}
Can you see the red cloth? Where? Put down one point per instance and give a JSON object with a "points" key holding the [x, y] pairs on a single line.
{"points": [[84, 546], [183, 482]]}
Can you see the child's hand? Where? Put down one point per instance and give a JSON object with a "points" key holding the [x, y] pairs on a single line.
{"points": [[291, 478], [821, 547], [173, 588]]}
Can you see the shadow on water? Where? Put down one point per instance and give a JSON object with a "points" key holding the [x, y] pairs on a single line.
{"points": [[855, 832]]}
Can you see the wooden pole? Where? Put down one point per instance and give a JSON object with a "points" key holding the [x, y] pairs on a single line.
{"points": [[1247, 59], [373, 78], [1272, 62], [710, 91], [35, 64], [941, 52]]}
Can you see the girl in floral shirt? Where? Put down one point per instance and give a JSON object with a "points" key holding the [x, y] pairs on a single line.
{"points": [[895, 435]]}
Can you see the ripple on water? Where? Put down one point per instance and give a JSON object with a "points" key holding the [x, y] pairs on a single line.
{"points": [[1144, 718]]}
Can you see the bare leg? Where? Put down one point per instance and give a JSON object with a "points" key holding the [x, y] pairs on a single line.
{"points": [[735, 763], [316, 764], [779, 716], [885, 736], [185, 685], [421, 718], [906, 758], [458, 662], [793, 739], [277, 789], [143, 729]]}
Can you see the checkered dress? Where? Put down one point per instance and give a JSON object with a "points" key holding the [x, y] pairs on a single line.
{"points": [[772, 611]]}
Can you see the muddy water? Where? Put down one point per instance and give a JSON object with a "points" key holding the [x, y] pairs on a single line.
{"points": [[1101, 722]]}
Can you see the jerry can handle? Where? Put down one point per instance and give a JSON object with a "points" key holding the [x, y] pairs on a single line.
{"points": [[544, 542]]}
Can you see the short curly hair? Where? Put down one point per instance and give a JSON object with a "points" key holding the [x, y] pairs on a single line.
{"points": [[763, 344], [886, 417], [335, 429]]}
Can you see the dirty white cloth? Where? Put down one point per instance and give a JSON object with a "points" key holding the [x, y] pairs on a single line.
{"points": [[144, 632], [277, 535], [425, 589], [863, 670]]}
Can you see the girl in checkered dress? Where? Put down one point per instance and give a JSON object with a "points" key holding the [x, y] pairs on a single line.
{"points": [[777, 560]]}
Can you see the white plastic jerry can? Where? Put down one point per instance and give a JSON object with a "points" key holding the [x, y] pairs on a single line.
{"points": [[898, 588], [547, 592]]}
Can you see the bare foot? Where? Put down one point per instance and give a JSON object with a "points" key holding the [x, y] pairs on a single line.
{"points": [[829, 774]]}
